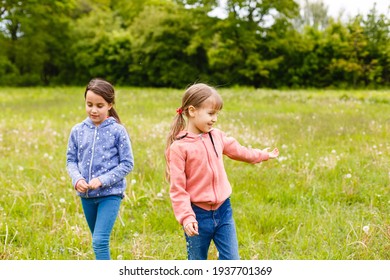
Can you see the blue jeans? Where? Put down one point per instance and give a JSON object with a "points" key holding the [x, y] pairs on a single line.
{"points": [[101, 213], [217, 225]]}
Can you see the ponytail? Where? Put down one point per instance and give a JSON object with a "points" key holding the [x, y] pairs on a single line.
{"points": [[178, 125], [112, 113]]}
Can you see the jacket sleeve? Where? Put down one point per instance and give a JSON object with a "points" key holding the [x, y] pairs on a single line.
{"points": [[180, 198], [72, 158], [126, 161], [233, 149]]}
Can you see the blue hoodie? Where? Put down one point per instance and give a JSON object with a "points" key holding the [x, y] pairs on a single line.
{"points": [[102, 152]]}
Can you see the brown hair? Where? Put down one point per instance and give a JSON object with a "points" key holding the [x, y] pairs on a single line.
{"points": [[194, 96], [105, 90]]}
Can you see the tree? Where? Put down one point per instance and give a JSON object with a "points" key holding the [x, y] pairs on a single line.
{"points": [[34, 34], [376, 28], [163, 50], [237, 52], [314, 14], [101, 46]]}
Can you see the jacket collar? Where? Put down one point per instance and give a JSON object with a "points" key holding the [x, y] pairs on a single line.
{"points": [[106, 122], [186, 134]]}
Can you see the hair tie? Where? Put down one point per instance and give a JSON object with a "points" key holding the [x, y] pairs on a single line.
{"points": [[179, 111]]}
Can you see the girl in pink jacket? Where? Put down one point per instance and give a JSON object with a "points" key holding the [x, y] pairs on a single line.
{"points": [[199, 188]]}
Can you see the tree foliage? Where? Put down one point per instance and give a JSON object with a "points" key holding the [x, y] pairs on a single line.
{"points": [[173, 43]]}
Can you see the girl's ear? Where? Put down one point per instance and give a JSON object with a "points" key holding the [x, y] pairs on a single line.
{"points": [[109, 106], [191, 111]]}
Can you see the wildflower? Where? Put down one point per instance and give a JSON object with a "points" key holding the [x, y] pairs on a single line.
{"points": [[281, 158], [348, 176], [62, 200], [159, 195], [21, 168], [366, 229], [133, 181]]}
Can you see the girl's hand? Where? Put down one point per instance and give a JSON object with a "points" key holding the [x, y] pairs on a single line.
{"points": [[273, 154], [191, 229], [82, 186], [94, 183]]}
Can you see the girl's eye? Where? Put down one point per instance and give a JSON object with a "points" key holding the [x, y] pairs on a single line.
{"points": [[99, 105]]}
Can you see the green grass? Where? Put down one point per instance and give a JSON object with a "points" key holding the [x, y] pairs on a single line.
{"points": [[331, 180]]}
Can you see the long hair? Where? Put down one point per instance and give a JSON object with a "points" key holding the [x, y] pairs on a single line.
{"points": [[194, 96], [105, 90]]}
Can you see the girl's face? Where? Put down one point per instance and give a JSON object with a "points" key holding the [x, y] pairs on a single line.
{"points": [[201, 120], [97, 108]]}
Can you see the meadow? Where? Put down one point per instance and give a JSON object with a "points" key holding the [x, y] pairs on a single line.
{"points": [[325, 198]]}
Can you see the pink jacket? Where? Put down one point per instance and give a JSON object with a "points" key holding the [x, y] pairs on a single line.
{"points": [[197, 172]]}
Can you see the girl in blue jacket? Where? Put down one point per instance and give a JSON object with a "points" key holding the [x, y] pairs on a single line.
{"points": [[99, 156]]}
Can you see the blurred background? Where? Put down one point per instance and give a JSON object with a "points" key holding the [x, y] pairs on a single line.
{"points": [[171, 43]]}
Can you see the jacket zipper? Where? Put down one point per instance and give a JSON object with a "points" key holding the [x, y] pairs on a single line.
{"points": [[211, 166], [212, 141], [92, 156]]}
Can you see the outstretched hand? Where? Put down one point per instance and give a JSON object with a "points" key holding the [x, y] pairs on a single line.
{"points": [[273, 154]]}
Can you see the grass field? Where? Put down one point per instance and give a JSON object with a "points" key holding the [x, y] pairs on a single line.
{"points": [[325, 198]]}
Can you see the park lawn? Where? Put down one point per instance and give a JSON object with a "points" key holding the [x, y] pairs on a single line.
{"points": [[325, 198]]}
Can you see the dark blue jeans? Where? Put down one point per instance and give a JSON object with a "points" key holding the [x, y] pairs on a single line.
{"points": [[101, 213], [217, 225]]}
